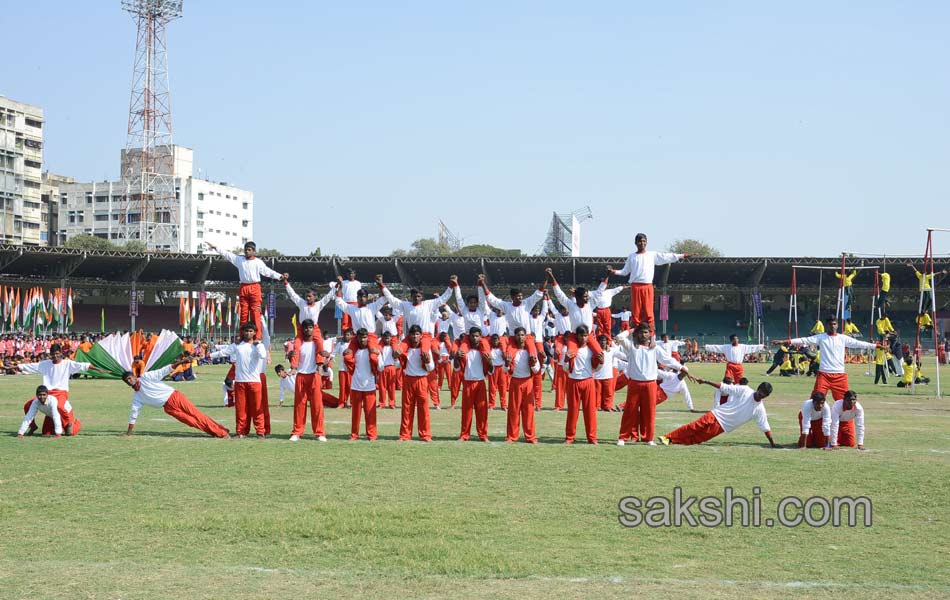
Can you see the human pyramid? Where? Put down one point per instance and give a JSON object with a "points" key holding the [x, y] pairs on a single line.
{"points": [[498, 349]]}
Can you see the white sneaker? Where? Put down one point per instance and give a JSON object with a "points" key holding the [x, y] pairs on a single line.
{"points": [[621, 443], [651, 443], [322, 438], [295, 438]]}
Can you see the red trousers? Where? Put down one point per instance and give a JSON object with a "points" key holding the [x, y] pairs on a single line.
{"points": [[498, 382], [415, 401], [639, 413], [641, 304], [455, 385], [346, 378], [701, 430], [536, 383], [330, 401], [621, 382], [308, 391], [846, 435], [445, 372], [661, 396], [603, 321], [474, 400], [249, 305], [605, 393], [386, 382], [65, 410], [346, 322], [735, 371], [560, 387], [181, 408], [581, 396], [836, 382], [247, 407], [816, 438], [434, 387], [521, 410], [364, 404]]}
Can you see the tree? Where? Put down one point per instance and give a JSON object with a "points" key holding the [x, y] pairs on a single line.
{"points": [[693, 248], [134, 246], [316, 253], [87, 241], [485, 250], [433, 247], [262, 252]]}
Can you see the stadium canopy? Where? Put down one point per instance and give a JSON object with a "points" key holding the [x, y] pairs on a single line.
{"points": [[29, 265]]}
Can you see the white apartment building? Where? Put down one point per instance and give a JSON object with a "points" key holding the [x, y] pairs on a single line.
{"points": [[24, 219], [207, 211]]}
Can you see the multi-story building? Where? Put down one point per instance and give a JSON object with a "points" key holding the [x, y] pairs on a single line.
{"points": [[23, 219], [207, 211], [50, 195]]}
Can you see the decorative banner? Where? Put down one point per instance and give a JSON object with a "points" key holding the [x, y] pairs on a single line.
{"points": [[664, 307], [757, 302], [133, 304], [271, 305]]}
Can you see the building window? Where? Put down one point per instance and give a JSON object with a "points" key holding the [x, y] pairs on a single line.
{"points": [[102, 217], [200, 234], [32, 164], [115, 216], [103, 236], [34, 123], [244, 205], [31, 184], [33, 144], [244, 223], [102, 199], [132, 218], [88, 197], [201, 196]]}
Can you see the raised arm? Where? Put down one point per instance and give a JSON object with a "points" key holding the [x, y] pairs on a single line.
{"points": [[490, 299], [850, 342], [717, 348], [627, 266], [665, 258], [292, 295]]}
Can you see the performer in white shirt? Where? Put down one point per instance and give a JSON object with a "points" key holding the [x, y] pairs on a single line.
{"points": [[387, 321], [56, 373], [417, 362], [581, 389], [671, 346], [250, 270], [745, 404], [419, 312], [473, 313], [386, 381], [363, 390], [309, 307], [831, 344], [671, 383], [362, 315], [624, 317], [580, 311], [517, 312], [307, 385], [640, 267], [847, 422], [474, 368], [499, 380], [639, 413], [814, 422], [149, 390], [735, 354], [288, 382], [248, 356], [47, 404], [349, 288], [562, 325], [605, 376], [520, 391], [602, 298], [340, 346]]}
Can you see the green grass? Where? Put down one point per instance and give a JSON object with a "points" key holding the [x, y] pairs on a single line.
{"points": [[172, 513]]}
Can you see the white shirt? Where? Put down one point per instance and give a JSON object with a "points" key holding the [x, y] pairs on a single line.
{"points": [[472, 318], [562, 323], [583, 368], [363, 378], [602, 297], [288, 384], [386, 325], [809, 414], [414, 365], [517, 316], [50, 409], [734, 354], [474, 369], [365, 317], [386, 357], [151, 391], [307, 361], [339, 348], [497, 325], [623, 315], [578, 315], [55, 376], [248, 360], [309, 311], [740, 408], [350, 289], [422, 314], [672, 384], [642, 360], [832, 349], [606, 370], [839, 415], [641, 265], [670, 346], [497, 357], [520, 364], [249, 271]]}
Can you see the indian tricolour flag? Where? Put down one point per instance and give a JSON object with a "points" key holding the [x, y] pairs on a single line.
{"points": [[113, 353]]}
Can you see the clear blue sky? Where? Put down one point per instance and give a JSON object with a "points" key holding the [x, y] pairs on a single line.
{"points": [[752, 126]]}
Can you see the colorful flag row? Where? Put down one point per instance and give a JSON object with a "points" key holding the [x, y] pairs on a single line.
{"points": [[201, 313], [34, 309]]}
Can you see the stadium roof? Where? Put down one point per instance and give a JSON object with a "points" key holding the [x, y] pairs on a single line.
{"points": [[28, 265]]}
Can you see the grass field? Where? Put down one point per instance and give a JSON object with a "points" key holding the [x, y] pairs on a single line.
{"points": [[170, 513]]}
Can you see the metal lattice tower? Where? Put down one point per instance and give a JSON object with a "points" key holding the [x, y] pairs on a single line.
{"points": [[564, 235], [151, 211]]}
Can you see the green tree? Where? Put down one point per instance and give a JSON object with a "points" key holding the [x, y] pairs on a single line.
{"points": [[316, 253], [88, 241], [425, 247], [135, 246], [693, 248], [485, 250]]}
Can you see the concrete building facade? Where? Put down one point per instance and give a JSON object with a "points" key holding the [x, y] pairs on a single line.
{"points": [[24, 219]]}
